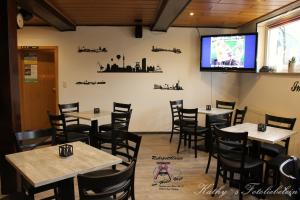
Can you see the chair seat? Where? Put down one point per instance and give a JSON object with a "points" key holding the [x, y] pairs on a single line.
{"points": [[78, 128], [105, 127], [272, 150], [249, 163], [200, 130], [103, 172], [277, 161], [73, 137]]}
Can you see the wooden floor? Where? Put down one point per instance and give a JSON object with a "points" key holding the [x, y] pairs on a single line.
{"points": [[189, 179]]}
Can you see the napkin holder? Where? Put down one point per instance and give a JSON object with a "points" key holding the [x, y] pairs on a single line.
{"points": [[65, 150], [261, 127], [208, 107], [96, 110]]}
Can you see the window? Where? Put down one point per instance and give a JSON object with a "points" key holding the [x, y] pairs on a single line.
{"points": [[283, 44]]}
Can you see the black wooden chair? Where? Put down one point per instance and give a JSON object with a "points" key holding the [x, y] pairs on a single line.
{"points": [[175, 117], [189, 129], [58, 125], [28, 140], [239, 116], [289, 173], [119, 149], [226, 105], [113, 186], [120, 121], [274, 150], [232, 157], [277, 152], [219, 121], [118, 108], [72, 123]]}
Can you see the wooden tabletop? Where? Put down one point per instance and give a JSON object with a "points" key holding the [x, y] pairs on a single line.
{"points": [[89, 115], [43, 166], [271, 135], [214, 111]]}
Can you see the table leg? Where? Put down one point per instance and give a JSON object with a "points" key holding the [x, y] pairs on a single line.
{"points": [[256, 149], [66, 189], [94, 131]]}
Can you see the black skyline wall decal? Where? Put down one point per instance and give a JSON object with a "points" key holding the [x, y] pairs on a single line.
{"points": [[90, 82], [139, 67], [168, 87], [88, 50], [174, 50]]}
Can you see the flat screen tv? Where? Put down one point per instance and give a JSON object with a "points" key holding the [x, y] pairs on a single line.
{"points": [[234, 52]]}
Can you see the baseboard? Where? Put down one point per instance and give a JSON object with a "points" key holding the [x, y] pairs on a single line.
{"points": [[152, 132]]}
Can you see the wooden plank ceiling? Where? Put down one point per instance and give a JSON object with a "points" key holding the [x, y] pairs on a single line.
{"points": [[207, 13]]}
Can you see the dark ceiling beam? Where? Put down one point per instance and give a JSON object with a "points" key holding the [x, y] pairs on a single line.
{"points": [[46, 11], [170, 10]]}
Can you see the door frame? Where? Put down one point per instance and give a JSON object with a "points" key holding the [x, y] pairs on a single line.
{"points": [[53, 49]]}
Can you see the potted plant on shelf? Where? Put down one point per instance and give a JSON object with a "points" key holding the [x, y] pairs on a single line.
{"points": [[291, 66]]}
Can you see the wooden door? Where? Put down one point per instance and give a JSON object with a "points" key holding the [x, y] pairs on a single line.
{"points": [[38, 75]]}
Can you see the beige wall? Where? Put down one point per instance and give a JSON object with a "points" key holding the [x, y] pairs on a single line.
{"points": [[271, 94], [151, 110]]}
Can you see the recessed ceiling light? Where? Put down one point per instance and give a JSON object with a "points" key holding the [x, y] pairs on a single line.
{"points": [[191, 14]]}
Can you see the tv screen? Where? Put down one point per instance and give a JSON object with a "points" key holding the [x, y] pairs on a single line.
{"points": [[235, 52]]}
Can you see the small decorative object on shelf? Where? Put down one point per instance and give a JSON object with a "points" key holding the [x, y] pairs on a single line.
{"points": [[96, 110], [174, 50], [261, 127], [65, 150], [90, 82], [267, 69], [167, 87], [292, 63], [208, 107], [87, 50]]}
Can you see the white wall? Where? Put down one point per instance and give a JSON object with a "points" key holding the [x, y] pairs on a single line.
{"points": [[151, 110]]}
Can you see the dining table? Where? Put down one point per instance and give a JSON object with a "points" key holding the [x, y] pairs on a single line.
{"points": [[91, 116], [272, 135], [206, 112], [44, 166]]}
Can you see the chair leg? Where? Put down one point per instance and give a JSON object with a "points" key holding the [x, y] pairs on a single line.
{"points": [[266, 177], [224, 176], [241, 186], [231, 178], [195, 147], [216, 179], [190, 140], [179, 143], [172, 132], [208, 162]]}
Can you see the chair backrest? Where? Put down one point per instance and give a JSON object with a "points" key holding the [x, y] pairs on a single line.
{"points": [[188, 119], [28, 140], [67, 108], [225, 104], [289, 176], [125, 145], [174, 105], [121, 107], [280, 122], [117, 185], [239, 116], [58, 124], [121, 120], [231, 147]]}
